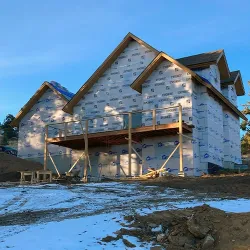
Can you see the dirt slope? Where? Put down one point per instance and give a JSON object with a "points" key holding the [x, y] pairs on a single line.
{"points": [[201, 227], [237, 185], [9, 165]]}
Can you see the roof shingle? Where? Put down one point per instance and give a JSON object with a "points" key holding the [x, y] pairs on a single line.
{"points": [[232, 78], [62, 90], [207, 57]]}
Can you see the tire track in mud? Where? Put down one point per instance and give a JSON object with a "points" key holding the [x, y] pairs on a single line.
{"points": [[86, 201], [18, 200]]}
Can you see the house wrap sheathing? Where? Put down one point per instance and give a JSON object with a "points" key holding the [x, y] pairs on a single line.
{"points": [[45, 107], [138, 77]]}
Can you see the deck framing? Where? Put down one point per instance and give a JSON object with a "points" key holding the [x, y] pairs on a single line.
{"points": [[125, 136]]}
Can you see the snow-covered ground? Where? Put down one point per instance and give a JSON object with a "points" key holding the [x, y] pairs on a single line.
{"points": [[77, 217]]}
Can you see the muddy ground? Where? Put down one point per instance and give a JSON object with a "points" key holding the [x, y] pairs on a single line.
{"points": [[237, 185], [24, 207], [202, 227], [10, 165]]}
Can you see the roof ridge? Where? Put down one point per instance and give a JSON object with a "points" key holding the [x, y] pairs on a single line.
{"points": [[61, 89]]}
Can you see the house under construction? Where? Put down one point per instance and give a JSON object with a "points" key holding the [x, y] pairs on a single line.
{"points": [[140, 109]]}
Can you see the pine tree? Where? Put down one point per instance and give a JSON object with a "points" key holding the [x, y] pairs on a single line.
{"points": [[245, 126], [8, 131]]}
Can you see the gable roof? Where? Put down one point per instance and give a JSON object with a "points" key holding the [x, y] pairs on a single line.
{"points": [[211, 56], [186, 63], [236, 80], [216, 57], [206, 59], [57, 88], [104, 66], [136, 85]]}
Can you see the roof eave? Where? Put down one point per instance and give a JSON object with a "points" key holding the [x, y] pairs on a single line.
{"points": [[225, 100], [136, 85], [223, 66], [22, 111], [239, 86], [33, 100], [200, 65], [237, 82], [144, 74]]}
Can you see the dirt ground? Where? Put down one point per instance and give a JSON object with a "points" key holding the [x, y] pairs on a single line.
{"points": [[201, 227], [9, 165], [237, 185]]}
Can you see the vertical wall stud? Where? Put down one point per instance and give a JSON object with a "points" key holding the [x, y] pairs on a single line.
{"points": [[45, 148], [65, 130], [154, 118], [181, 173], [129, 143], [86, 161]]}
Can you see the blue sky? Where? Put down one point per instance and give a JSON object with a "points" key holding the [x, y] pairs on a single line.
{"points": [[66, 41]]}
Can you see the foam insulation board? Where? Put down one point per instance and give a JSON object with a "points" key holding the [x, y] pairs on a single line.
{"points": [[212, 74], [48, 109], [230, 93], [156, 150], [231, 138], [210, 128], [214, 139], [112, 93], [109, 161], [167, 86]]}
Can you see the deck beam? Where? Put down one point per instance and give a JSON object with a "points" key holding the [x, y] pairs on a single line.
{"points": [[119, 137]]}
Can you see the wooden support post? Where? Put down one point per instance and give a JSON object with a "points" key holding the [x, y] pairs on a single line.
{"points": [[181, 172], [33, 179], [65, 130], [129, 144], [82, 127], [45, 148], [54, 165], [163, 165], [154, 118], [22, 178], [86, 161], [76, 162]]}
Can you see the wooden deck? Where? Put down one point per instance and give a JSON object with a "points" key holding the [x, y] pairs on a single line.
{"points": [[119, 136]]}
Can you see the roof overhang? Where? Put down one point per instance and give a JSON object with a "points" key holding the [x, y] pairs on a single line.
{"points": [[223, 66], [136, 85], [236, 80], [221, 62], [239, 86], [39, 93], [104, 66]]}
